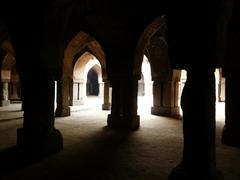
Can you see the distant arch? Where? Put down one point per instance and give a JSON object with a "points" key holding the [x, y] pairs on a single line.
{"points": [[81, 43]]}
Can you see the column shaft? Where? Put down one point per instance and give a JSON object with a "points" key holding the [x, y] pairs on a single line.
{"points": [[231, 131], [5, 101], [63, 98], [198, 104], [38, 133], [106, 101], [124, 103], [165, 98]]}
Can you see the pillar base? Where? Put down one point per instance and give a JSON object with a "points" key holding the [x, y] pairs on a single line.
{"points": [[40, 144], [106, 106], [166, 111], [5, 103], [180, 173], [231, 137], [123, 122], [63, 112]]}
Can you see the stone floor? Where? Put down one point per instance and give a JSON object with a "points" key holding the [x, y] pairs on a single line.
{"points": [[94, 152]]}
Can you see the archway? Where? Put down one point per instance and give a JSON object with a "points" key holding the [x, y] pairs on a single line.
{"points": [[165, 79], [92, 83], [145, 94], [77, 47], [87, 81]]}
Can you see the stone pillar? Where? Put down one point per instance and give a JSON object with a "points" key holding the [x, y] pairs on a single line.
{"points": [[15, 95], [231, 131], [75, 93], [101, 89], [38, 134], [198, 104], [70, 92], [221, 90], [82, 92], [63, 97], [165, 98], [79, 96], [4, 93], [15, 87], [106, 103], [124, 103]]}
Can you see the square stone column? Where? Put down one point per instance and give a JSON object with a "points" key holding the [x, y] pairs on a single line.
{"points": [[124, 104], [4, 94], [231, 131], [38, 134], [165, 98], [198, 104], [79, 95], [106, 98], [63, 97]]}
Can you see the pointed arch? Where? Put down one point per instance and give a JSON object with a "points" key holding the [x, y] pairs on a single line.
{"points": [[153, 35], [81, 43], [84, 63]]}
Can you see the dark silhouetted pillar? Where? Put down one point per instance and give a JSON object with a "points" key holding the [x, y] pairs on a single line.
{"points": [[198, 105], [231, 131], [38, 134], [124, 103], [106, 103], [63, 98]]}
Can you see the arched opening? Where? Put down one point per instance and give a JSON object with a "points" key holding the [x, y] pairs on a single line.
{"points": [[92, 83], [145, 95], [88, 85], [168, 83], [82, 53], [163, 79]]}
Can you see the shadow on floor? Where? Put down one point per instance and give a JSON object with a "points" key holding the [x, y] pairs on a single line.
{"points": [[15, 158], [97, 159]]}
